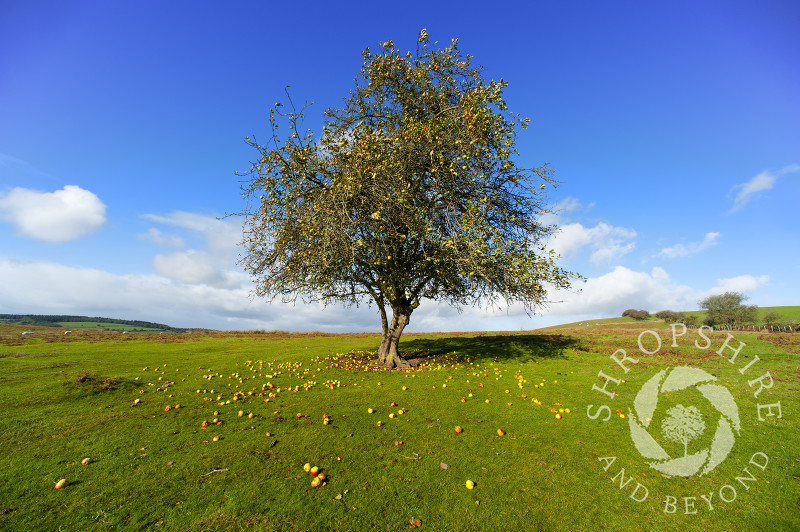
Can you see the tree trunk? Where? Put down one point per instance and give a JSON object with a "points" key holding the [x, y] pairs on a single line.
{"points": [[388, 355]]}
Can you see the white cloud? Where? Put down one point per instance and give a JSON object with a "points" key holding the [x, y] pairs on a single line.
{"points": [[622, 288], [555, 212], [157, 237], [222, 236], [763, 181], [59, 216], [195, 267], [607, 242], [741, 283], [681, 250], [213, 266], [568, 204]]}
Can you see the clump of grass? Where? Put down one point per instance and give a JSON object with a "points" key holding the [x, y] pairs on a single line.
{"points": [[93, 383]]}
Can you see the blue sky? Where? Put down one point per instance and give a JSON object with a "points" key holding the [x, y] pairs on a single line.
{"points": [[674, 129]]}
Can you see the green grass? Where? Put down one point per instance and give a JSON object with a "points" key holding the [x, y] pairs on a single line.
{"points": [[788, 314], [67, 398]]}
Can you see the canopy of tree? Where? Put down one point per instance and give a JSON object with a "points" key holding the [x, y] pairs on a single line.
{"points": [[728, 309]]}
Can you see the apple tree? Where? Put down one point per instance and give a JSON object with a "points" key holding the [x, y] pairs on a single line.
{"points": [[410, 192]]}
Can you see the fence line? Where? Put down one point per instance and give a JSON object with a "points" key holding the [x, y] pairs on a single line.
{"points": [[790, 328]]}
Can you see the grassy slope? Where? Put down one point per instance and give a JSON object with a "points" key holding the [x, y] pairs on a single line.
{"points": [[148, 463], [790, 314]]}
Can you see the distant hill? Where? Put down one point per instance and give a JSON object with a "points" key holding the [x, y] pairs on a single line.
{"points": [[86, 322], [786, 315]]}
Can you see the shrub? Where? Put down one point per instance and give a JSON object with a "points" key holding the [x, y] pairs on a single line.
{"points": [[669, 316], [771, 317], [636, 314], [728, 309]]}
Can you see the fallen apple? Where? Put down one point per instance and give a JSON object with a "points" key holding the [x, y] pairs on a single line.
{"points": [[85, 461], [60, 484], [470, 484], [501, 432], [458, 429], [306, 466], [315, 482], [313, 471]]}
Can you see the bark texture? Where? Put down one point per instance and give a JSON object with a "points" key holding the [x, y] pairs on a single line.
{"points": [[388, 354]]}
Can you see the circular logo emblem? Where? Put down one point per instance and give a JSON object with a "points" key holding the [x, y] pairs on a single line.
{"points": [[682, 424]]}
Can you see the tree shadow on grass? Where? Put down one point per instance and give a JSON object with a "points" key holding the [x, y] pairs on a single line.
{"points": [[504, 348]]}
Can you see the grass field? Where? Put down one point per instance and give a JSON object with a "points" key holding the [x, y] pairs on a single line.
{"points": [[104, 396]]}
